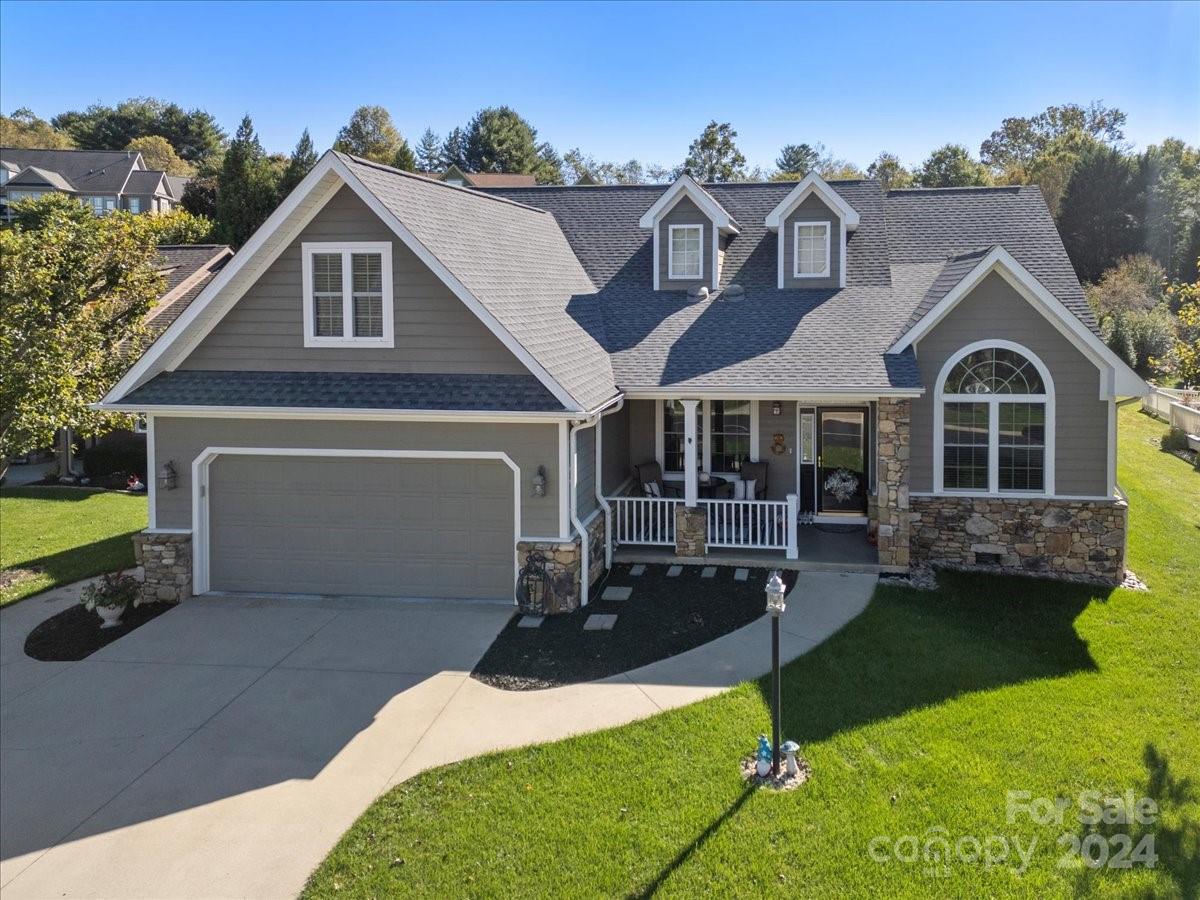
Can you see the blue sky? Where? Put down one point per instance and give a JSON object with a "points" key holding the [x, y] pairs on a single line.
{"points": [[621, 80]]}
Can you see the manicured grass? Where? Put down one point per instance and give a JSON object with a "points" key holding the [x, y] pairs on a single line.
{"points": [[920, 715], [65, 534]]}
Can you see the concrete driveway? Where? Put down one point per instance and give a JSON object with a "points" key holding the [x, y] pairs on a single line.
{"points": [[222, 749]]}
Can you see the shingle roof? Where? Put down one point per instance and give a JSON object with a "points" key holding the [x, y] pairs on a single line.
{"points": [[99, 171], [515, 261], [176, 184], [34, 175], [145, 181], [365, 390], [187, 268]]}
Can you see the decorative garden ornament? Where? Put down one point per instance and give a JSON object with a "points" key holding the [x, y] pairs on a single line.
{"points": [[791, 748], [764, 756]]}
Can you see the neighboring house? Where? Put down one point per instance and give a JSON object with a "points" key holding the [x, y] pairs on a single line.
{"points": [[456, 176], [106, 180], [399, 387]]}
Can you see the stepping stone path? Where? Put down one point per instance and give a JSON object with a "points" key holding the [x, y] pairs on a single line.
{"points": [[530, 621], [600, 622], [708, 572], [637, 570], [741, 574], [616, 593], [674, 571]]}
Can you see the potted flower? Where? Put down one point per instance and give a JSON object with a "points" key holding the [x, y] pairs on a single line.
{"points": [[109, 595]]}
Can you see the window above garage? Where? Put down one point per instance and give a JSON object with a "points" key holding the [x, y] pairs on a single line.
{"points": [[348, 299]]}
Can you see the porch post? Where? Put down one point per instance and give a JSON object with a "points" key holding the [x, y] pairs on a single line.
{"points": [[690, 491], [793, 516]]}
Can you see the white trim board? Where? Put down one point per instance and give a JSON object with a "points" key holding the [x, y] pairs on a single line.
{"points": [[186, 332], [812, 183], [365, 415], [1118, 379], [201, 539], [686, 184]]}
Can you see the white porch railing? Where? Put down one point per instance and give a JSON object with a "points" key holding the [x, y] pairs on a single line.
{"points": [[752, 524], [1168, 404], [644, 520]]}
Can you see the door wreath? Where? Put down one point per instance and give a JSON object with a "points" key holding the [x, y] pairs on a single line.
{"points": [[842, 483]]}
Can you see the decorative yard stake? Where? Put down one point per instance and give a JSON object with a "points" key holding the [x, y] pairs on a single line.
{"points": [[775, 606]]}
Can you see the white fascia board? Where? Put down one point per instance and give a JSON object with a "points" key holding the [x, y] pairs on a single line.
{"points": [[825, 395], [281, 412], [686, 185], [812, 183], [1118, 380]]}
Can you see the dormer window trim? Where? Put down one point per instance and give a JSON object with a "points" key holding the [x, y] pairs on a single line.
{"points": [[348, 293], [719, 218], [672, 273], [826, 227], [846, 215]]}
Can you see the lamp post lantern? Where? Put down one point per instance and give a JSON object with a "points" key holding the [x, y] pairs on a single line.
{"points": [[775, 606]]}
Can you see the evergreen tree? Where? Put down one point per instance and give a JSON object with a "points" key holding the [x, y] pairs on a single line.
{"points": [[713, 156], [246, 188], [303, 158], [1100, 214], [890, 172], [429, 152], [454, 150], [797, 160]]}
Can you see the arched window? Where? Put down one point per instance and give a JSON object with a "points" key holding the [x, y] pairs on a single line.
{"points": [[994, 422]]}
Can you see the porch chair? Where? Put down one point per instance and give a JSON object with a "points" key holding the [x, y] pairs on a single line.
{"points": [[756, 472], [651, 473]]}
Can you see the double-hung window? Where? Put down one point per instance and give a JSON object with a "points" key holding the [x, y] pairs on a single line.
{"points": [[685, 259], [348, 295], [995, 411], [135, 205], [810, 251]]}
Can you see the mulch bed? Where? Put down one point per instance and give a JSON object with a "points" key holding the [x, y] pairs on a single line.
{"points": [[664, 617], [75, 633]]}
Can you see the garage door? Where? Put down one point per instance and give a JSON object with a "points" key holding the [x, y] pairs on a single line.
{"points": [[361, 526]]}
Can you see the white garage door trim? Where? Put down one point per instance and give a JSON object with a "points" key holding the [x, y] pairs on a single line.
{"points": [[200, 490]]}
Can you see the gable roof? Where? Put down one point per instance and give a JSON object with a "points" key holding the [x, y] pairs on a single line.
{"points": [[509, 263], [176, 184], [812, 183], [187, 270], [94, 171], [485, 179], [146, 181], [685, 184], [33, 176]]}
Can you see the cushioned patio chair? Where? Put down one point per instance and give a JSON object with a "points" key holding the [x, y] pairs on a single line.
{"points": [[756, 472], [651, 473]]}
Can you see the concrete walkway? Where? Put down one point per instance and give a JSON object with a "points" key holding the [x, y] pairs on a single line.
{"points": [[222, 749]]}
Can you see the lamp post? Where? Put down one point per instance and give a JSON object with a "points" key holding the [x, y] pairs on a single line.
{"points": [[775, 606]]}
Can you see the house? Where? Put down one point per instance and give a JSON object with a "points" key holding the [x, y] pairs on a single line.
{"points": [[106, 180], [456, 176], [400, 387]]}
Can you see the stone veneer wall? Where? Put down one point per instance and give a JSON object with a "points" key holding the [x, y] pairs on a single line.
{"points": [[563, 565], [166, 559], [889, 509], [1078, 538], [691, 530]]}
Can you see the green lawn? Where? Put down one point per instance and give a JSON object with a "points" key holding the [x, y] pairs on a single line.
{"points": [[64, 534], [920, 715]]}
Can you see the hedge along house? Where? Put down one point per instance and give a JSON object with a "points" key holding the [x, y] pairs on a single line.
{"points": [[401, 387]]}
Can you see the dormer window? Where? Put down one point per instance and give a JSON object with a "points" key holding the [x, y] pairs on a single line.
{"points": [[686, 259], [348, 295], [811, 251]]}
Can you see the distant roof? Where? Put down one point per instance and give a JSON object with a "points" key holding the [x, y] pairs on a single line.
{"points": [[89, 171], [33, 175], [485, 179], [146, 181], [187, 268], [176, 184], [345, 390]]}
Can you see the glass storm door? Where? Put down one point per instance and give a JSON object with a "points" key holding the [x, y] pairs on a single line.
{"points": [[841, 463]]}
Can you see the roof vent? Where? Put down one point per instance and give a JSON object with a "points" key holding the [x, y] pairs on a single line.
{"points": [[733, 292], [698, 292]]}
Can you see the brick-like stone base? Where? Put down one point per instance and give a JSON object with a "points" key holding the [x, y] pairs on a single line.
{"points": [[1077, 538], [166, 558], [563, 565], [691, 530], [889, 509]]}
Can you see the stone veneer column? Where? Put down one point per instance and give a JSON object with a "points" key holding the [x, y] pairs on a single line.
{"points": [[564, 565], [691, 530], [166, 559], [893, 433]]}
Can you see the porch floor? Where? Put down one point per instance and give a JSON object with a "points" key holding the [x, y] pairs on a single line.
{"points": [[820, 550]]}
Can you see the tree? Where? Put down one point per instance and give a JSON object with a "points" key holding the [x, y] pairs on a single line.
{"points": [[193, 133], [1099, 217], [499, 140], [579, 167], [714, 156], [157, 153], [890, 172], [303, 158], [797, 160], [24, 129], [1116, 334], [1011, 150], [1051, 169], [371, 134], [429, 152], [454, 150], [74, 290], [1171, 171], [246, 188], [1135, 283], [952, 166], [1185, 357], [181, 227], [200, 196]]}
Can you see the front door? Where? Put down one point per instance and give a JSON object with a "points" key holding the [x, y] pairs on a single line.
{"points": [[841, 463]]}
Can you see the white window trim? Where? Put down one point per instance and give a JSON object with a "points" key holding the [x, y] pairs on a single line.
{"points": [[347, 249], [704, 429], [940, 398], [796, 273], [671, 229], [135, 205]]}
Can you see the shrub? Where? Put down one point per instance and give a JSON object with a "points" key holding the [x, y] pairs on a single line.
{"points": [[1152, 333], [1174, 440], [121, 452], [115, 590]]}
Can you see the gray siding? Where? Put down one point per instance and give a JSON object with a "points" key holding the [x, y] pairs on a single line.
{"points": [[585, 487], [615, 449], [435, 332], [812, 209], [995, 310], [181, 440], [685, 212], [781, 470], [642, 439]]}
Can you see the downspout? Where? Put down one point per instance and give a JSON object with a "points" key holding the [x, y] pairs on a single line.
{"points": [[608, 546]]}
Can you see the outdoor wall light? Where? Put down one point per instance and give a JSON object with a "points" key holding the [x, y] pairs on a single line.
{"points": [[539, 482], [776, 408], [167, 476]]}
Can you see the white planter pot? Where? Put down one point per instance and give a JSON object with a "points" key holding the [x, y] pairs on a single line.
{"points": [[110, 615]]}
